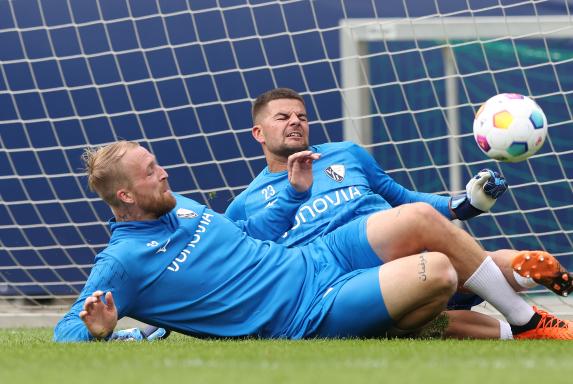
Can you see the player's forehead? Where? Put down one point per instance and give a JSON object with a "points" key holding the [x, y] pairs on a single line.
{"points": [[287, 106], [138, 157]]}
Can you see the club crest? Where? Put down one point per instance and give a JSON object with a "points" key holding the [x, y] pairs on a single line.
{"points": [[183, 213], [336, 172]]}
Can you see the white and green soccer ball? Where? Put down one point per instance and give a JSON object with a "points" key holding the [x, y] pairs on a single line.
{"points": [[510, 127]]}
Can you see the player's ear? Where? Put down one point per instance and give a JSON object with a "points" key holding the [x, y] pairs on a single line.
{"points": [[124, 196], [257, 132]]}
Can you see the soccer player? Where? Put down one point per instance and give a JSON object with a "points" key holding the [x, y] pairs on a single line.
{"points": [[174, 263], [350, 184]]}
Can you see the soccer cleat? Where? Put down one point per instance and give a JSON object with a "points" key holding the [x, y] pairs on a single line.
{"points": [[544, 269], [548, 327]]}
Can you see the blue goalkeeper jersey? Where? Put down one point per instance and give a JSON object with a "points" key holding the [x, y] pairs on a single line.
{"points": [[348, 183], [197, 272]]}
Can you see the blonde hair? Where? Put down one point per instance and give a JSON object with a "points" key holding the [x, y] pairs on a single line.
{"points": [[104, 170]]}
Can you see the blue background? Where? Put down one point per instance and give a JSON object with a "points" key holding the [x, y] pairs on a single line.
{"points": [[180, 76]]}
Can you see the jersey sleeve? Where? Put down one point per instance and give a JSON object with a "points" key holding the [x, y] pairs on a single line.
{"points": [[391, 191], [106, 275], [273, 221], [236, 210]]}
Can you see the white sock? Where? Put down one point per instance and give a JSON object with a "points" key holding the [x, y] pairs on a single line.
{"points": [[525, 282], [488, 282], [505, 331]]}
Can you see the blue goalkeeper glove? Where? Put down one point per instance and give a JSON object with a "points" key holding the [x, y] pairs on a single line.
{"points": [[481, 194], [150, 333]]}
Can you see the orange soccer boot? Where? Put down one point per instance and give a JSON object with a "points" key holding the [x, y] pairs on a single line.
{"points": [[544, 325], [544, 269]]}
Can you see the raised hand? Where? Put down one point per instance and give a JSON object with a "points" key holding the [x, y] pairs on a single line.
{"points": [[481, 194], [99, 317], [484, 189], [299, 166]]}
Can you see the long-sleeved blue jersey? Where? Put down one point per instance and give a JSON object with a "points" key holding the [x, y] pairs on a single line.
{"points": [[348, 183], [197, 272]]}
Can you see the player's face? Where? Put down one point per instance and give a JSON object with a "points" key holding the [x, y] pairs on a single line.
{"points": [[282, 127], [149, 188]]}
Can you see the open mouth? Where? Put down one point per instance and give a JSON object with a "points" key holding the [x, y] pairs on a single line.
{"points": [[294, 135]]}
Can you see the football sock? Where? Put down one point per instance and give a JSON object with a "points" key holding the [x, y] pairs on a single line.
{"points": [[488, 282], [532, 323], [505, 332]]}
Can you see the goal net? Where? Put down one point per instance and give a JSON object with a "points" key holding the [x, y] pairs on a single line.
{"points": [[401, 78]]}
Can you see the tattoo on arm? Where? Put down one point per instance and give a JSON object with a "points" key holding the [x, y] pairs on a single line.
{"points": [[422, 276]]}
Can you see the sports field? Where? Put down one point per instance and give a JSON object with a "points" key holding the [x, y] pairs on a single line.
{"points": [[29, 356]]}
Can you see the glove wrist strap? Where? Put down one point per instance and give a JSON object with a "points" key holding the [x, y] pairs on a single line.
{"points": [[462, 208]]}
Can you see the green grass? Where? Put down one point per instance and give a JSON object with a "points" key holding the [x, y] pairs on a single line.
{"points": [[29, 356]]}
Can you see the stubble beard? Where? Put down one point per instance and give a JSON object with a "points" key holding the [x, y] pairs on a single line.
{"points": [[285, 150]]}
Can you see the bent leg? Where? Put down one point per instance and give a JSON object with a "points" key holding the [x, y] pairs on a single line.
{"points": [[405, 293], [471, 325], [413, 228]]}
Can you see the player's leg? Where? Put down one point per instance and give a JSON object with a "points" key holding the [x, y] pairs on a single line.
{"points": [[412, 228], [405, 293], [474, 325]]}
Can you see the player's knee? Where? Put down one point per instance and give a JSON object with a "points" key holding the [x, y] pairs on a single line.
{"points": [[442, 273], [425, 214]]}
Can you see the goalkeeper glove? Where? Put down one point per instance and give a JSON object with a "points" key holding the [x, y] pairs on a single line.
{"points": [[150, 333], [481, 194]]}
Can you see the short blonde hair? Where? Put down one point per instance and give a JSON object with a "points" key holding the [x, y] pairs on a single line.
{"points": [[105, 173]]}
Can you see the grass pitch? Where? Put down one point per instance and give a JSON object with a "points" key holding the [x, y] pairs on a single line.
{"points": [[29, 356]]}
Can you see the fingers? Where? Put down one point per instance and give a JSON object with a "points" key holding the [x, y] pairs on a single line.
{"points": [[94, 299], [306, 157], [109, 300]]}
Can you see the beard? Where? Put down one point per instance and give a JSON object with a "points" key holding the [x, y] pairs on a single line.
{"points": [[158, 205], [285, 150]]}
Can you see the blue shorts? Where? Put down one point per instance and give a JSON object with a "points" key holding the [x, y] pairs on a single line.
{"points": [[358, 309], [349, 245], [352, 303]]}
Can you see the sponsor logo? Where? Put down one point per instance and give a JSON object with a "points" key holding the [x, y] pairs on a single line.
{"points": [[183, 213], [317, 207], [199, 231], [336, 172]]}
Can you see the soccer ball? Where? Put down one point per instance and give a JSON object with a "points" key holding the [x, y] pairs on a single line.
{"points": [[510, 127]]}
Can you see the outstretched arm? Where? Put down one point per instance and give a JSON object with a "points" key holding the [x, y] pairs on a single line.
{"points": [[90, 317], [273, 221], [481, 194]]}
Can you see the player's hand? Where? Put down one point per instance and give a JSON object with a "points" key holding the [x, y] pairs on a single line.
{"points": [[99, 317], [484, 189], [150, 333], [299, 166]]}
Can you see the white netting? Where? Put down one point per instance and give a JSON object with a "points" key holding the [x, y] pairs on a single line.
{"points": [[400, 77]]}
